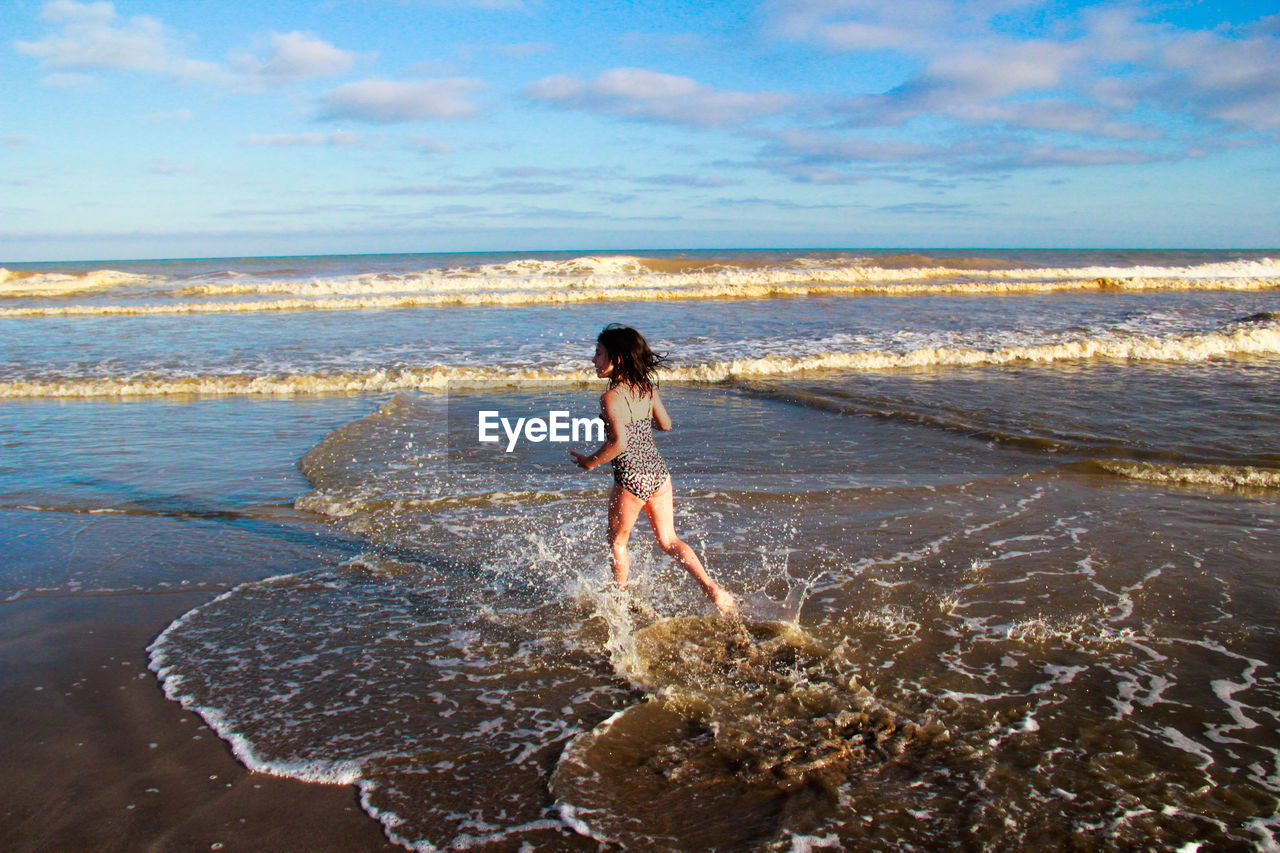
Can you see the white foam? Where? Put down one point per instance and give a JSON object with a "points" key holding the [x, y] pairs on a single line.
{"points": [[324, 503], [1226, 690], [1252, 340], [1180, 741], [391, 822], [381, 292], [809, 843], [572, 816], [1261, 340], [173, 683], [1265, 829], [1221, 476], [626, 272], [374, 381], [47, 285], [1129, 692]]}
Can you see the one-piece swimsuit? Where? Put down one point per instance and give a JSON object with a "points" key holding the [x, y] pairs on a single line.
{"points": [[639, 469]]}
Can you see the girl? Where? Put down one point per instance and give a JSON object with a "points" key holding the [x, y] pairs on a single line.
{"points": [[631, 407]]}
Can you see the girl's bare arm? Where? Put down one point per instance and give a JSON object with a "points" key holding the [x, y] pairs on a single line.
{"points": [[611, 408], [660, 417]]}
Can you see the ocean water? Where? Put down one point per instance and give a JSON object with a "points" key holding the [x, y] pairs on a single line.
{"points": [[1003, 524]]}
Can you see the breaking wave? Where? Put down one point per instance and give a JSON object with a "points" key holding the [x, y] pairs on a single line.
{"points": [[1214, 476], [48, 285], [1242, 339], [599, 279], [628, 272]]}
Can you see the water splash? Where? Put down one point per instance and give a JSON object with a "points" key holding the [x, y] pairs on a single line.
{"points": [[749, 731]]}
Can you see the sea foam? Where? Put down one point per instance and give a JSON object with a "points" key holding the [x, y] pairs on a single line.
{"points": [[534, 282], [1237, 340], [47, 285]]}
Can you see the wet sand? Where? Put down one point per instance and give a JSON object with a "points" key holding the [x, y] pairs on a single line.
{"points": [[96, 758], [115, 521]]}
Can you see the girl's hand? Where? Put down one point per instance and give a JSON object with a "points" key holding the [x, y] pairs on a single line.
{"points": [[581, 460]]}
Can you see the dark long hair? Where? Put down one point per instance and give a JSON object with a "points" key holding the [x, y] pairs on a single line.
{"points": [[634, 363]]}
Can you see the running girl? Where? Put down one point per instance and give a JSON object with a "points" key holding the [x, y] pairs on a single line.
{"points": [[641, 481]]}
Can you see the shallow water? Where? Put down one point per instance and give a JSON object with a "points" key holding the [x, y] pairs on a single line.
{"points": [[1007, 561], [1093, 656]]}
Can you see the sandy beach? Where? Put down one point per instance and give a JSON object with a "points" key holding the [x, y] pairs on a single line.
{"points": [[96, 757]]}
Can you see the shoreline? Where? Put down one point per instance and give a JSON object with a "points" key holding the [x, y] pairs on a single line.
{"points": [[98, 758]]}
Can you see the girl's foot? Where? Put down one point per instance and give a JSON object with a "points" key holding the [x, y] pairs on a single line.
{"points": [[724, 601]]}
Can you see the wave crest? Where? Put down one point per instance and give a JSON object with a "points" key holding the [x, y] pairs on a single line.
{"points": [[1236, 340], [631, 273], [46, 285], [627, 278], [1214, 476]]}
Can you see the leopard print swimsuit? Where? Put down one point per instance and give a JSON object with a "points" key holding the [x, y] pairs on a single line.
{"points": [[639, 469]]}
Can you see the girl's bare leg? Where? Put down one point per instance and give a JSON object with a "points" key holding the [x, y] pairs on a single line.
{"points": [[661, 519], [624, 509]]}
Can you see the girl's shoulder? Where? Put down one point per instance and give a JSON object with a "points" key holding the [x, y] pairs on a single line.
{"points": [[627, 397], [613, 397]]}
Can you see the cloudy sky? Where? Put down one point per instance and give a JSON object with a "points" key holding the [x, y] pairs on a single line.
{"points": [[159, 128]]}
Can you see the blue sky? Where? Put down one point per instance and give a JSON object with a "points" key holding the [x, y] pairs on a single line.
{"points": [[156, 128]]}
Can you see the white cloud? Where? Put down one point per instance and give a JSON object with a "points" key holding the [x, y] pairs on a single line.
{"points": [[972, 85], [1116, 35], [69, 80], [1092, 80], [1018, 156], [914, 26], [1054, 114], [988, 72], [1228, 75], [973, 74], [538, 188], [182, 114], [1232, 80], [1025, 85], [816, 148], [683, 181], [67, 11], [293, 140], [856, 35], [813, 156], [393, 101], [642, 94], [428, 145], [294, 56], [93, 36], [167, 167]]}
